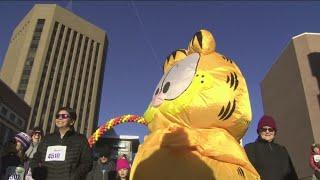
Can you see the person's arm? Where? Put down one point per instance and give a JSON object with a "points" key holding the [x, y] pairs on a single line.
{"points": [[90, 175], [85, 164], [250, 151]]}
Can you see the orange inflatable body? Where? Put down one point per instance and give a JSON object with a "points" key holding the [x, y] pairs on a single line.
{"points": [[199, 112]]}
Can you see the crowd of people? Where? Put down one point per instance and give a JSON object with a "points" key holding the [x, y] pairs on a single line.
{"points": [[65, 154]]}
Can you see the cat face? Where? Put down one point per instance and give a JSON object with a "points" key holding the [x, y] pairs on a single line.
{"points": [[201, 89]]}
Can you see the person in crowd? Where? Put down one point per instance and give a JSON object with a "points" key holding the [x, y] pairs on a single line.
{"points": [[13, 158], [315, 159], [123, 169], [271, 160], [36, 135], [104, 168], [64, 154]]}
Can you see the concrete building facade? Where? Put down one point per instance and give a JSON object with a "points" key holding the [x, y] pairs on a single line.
{"points": [[54, 59], [14, 113], [291, 94]]}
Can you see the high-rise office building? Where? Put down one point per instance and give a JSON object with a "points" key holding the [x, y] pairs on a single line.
{"points": [[54, 59], [291, 94]]}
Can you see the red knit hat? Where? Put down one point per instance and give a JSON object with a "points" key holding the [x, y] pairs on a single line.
{"points": [[122, 163], [266, 121]]}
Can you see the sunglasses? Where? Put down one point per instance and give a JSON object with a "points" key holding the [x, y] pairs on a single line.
{"points": [[37, 133], [62, 116], [267, 129]]}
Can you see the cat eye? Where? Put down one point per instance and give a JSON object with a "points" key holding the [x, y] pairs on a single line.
{"points": [[166, 87], [178, 78]]}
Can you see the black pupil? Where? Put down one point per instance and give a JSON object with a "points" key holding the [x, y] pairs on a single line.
{"points": [[157, 91], [166, 87]]}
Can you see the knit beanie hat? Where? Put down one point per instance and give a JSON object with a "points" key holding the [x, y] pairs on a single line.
{"points": [[266, 121], [105, 153], [122, 163], [24, 139]]}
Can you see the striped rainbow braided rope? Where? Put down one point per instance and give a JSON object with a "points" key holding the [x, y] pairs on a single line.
{"points": [[113, 122]]}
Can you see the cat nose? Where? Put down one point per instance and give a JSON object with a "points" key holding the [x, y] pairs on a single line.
{"points": [[157, 100]]}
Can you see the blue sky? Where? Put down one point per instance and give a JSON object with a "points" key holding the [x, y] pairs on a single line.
{"points": [[142, 34]]}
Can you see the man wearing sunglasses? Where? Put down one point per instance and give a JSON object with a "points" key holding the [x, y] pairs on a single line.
{"points": [[271, 160], [65, 154]]}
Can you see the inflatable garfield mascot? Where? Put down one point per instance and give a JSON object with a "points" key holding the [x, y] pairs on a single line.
{"points": [[199, 112]]}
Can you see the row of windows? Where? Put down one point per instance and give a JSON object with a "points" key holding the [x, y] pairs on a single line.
{"points": [[30, 57], [89, 66], [13, 118], [53, 67], [44, 71], [91, 85], [58, 78], [68, 68], [74, 71], [56, 68], [77, 98]]}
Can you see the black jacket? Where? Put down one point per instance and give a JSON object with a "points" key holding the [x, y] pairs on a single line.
{"points": [[102, 172], [271, 160], [77, 163], [11, 159]]}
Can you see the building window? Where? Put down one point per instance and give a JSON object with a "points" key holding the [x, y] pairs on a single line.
{"points": [[21, 91], [19, 122], [24, 81], [4, 111], [12, 117], [26, 72]]}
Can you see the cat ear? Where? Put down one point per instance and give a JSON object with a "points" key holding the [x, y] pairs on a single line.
{"points": [[202, 42], [173, 58]]}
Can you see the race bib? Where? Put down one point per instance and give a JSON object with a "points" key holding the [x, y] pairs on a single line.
{"points": [[56, 153], [15, 173], [13, 177], [316, 158]]}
